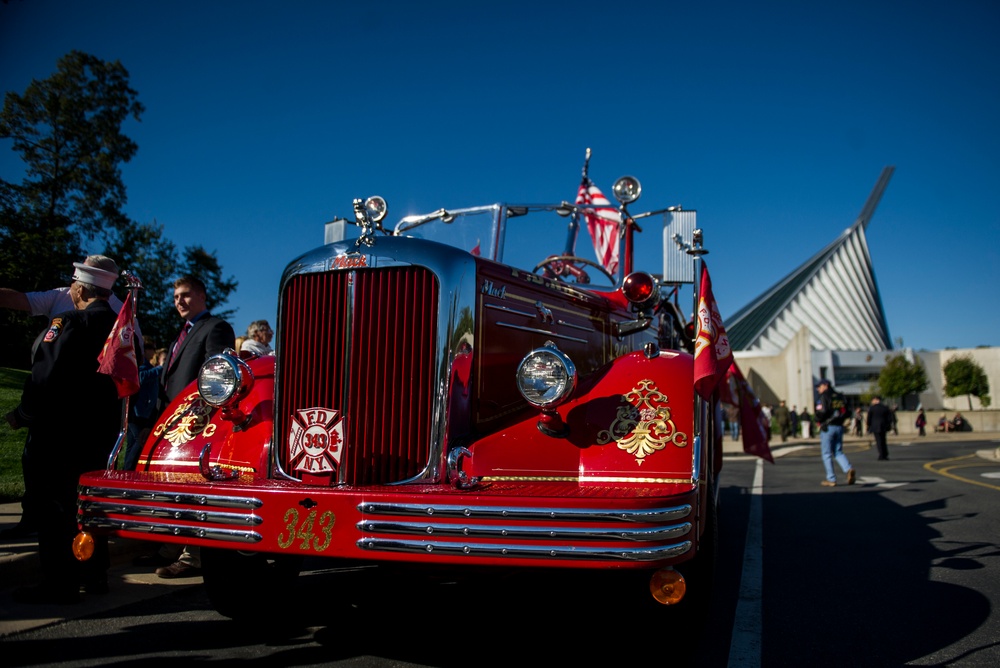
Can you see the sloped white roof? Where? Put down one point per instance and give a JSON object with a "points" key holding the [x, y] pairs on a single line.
{"points": [[833, 293]]}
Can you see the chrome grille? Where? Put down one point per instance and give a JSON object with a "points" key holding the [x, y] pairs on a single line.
{"points": [[361, 343]]}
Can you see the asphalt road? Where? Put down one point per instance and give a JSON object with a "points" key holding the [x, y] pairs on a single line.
{"points": [[899, 569]]}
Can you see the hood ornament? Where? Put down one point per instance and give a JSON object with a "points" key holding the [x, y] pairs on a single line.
{"points": [[368, 214]]}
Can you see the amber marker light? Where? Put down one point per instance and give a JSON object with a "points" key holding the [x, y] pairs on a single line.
{"points": [[83, 546], [667, 586]]}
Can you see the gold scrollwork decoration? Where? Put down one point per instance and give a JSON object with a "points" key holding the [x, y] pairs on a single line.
{"points": [[643, 425], [189, 420]]}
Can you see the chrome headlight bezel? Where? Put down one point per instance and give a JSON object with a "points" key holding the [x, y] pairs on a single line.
{"points": [[546, 377], [224, 379]]}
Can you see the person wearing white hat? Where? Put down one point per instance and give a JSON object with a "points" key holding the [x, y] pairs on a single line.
{"points": [[57, 300], [50, 303], [66, 391]]}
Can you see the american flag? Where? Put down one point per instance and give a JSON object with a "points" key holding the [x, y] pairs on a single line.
{"points": [[603, 223]]}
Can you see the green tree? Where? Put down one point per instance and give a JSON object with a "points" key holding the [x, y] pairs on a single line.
{"points": [[33, 256], [901, 377], [68, 131], [962, 375], [143, 250]]}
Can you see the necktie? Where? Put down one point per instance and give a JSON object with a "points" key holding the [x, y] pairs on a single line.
{"points": [[180, 340]]}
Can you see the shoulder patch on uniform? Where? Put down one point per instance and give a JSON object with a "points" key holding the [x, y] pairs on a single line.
{"points": [[54, 330]]}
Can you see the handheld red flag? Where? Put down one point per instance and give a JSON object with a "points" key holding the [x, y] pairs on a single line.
{"points": [[117, 359], [712, 354], [754, 426]]}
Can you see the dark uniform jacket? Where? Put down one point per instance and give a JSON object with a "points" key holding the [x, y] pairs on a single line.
{"points": [[209, 336], [72, 410], [73, 415]]}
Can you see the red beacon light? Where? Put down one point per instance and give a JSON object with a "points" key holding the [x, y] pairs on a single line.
{"points": [[641, 290]]}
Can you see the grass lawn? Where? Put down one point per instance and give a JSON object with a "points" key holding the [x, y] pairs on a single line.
{"points": [[11, 442]]}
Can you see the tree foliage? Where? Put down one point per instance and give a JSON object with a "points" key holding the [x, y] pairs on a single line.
{"points": [[901, 377], [962, 375], [143, 250], [67, 130], [33, 256]]}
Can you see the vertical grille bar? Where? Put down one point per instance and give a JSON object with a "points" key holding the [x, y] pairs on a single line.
{"points": [[389, 369]]}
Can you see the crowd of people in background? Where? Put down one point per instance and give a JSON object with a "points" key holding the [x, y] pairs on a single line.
{"points": [[66, 386], [790, 423]]}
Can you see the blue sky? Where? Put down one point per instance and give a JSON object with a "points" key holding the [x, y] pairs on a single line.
{"points": [[774, 120]]}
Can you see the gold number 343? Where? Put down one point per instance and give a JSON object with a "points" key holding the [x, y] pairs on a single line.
{"points": [[318, 536]]}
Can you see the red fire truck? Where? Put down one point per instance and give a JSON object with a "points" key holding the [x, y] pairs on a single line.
{"points": [[473, 387]]}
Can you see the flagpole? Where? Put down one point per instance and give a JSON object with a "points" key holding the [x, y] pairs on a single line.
{"points": [[133, 285], [697, 250], [574, 226]]}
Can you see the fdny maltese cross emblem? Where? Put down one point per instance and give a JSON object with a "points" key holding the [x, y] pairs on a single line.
{"points": [[316, 441]]}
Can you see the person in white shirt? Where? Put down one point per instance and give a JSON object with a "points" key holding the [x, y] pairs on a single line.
{"points": [[49, 303], [259, 335]]}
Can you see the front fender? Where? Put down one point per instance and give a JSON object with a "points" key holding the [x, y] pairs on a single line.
{"points": [[631, 423], [188, 425]]}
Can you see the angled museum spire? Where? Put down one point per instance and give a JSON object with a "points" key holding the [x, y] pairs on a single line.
{"points": [[833, 294]]}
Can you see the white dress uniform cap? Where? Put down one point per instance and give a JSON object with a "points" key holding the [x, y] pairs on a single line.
{"points": [[94, 275]]}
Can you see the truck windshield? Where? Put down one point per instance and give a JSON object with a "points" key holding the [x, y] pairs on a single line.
{"points": [[519, 236]]}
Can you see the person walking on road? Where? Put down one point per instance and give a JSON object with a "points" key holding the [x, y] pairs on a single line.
{"points": [[880, 421], [831, 411]]}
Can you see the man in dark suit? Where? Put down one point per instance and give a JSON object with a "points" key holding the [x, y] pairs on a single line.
{"points": [[202, 336], [880, 421]]}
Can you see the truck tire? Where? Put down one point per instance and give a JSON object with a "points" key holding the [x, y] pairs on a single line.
{"points": [[242, 585], [700, 571]]}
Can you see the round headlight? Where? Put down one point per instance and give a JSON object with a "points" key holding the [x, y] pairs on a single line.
{"points": [[223, 379], [546, 377]]}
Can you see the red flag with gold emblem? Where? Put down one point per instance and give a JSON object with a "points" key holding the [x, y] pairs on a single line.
{"points": [[754, 427], [117, 359], [712, 354]]}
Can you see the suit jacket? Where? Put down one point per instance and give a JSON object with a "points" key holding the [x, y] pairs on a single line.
{"points": [[209, 336], [879, 418]]}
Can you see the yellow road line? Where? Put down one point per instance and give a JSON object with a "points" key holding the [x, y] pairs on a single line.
{"points": [[960, 463]]}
